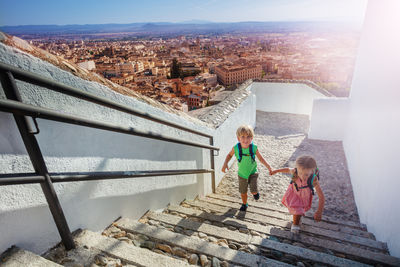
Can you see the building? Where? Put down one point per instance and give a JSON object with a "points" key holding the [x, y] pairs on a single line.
{"points": [[196, 102], [190, 68], [218, 97], [145, 78], [188, 88], [125, 68], [210, 80], [88, 65], [129, 67], [235, 74]]}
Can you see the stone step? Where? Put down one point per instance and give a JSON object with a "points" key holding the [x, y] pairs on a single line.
{"points": [[288, 217], [128, 253], [352, 252], [81, 256], [16, 257], [196, 245], [296, 251], [306, 229], [284, 210]]}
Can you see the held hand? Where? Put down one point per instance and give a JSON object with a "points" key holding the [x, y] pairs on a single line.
{"points": [[272, 172], [317, 216], [224, 168]]}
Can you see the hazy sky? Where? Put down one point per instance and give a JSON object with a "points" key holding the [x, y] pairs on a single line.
{"points": [[42, 12]]}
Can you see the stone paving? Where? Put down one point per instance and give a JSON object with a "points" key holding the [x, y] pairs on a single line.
{"points": [[281, 138]]}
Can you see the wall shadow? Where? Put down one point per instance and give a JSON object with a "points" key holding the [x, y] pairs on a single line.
{"points": [[281, 124]]}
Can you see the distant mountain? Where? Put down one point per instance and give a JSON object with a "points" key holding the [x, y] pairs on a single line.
{"points": [[167, 28], [70, 29], [194, 21]]}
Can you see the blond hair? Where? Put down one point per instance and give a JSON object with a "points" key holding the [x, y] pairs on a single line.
{"points": [[245, 130], [305, 162]]}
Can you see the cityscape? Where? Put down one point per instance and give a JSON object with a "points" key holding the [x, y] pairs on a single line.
{"points": [[193, 65]]}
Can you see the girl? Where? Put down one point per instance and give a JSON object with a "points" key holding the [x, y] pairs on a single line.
{"points": [[299, 194]]}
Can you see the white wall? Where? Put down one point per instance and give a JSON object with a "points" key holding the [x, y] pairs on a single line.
{"points": [[371, 140], [294, 98], [24, 216], [327, 118], [371, 128], [225, 134]]}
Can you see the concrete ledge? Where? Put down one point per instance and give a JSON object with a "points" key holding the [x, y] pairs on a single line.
{"points": [[16, 257], [217, 114]]}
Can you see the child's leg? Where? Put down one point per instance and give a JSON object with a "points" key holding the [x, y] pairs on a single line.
{"points": [[243, 183], [244, 198], [296, 219], [295, 228], [253, 186]]}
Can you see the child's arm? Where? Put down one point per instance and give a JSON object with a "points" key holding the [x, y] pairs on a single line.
{"points": [[321, 201], [228, 158], [263, 161], [283, 170]]}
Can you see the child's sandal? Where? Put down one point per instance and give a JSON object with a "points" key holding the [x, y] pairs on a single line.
{"points": [[243, 207], [295, 229]]}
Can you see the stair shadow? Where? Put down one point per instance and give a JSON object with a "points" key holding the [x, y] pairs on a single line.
{"points": [[241, 215], [230, 213], [266, 254]]}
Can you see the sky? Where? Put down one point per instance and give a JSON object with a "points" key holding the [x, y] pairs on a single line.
{"points": [[58, 12]]}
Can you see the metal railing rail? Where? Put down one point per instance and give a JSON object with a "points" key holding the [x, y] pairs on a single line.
{"points": [[22, 112], [19, 108], [31, 178]]}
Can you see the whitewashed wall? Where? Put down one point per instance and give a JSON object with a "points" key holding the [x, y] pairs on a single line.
{"points": [[24, 216], [327, 118], [296, 98], [225, 134], [371, 129], [372, 138]]}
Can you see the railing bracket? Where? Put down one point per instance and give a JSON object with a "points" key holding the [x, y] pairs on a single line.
{"points": [[36, 126]]}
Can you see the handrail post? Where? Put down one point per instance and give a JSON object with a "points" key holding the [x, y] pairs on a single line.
{"points": [[36, 157], [212, 159]]}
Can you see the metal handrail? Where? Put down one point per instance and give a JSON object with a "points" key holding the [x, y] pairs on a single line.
{"points": [[21, 179], [33, 178], [17, 107], [22, 111]]}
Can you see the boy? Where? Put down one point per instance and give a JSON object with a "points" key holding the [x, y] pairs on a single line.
{"points": [[245, 152]]}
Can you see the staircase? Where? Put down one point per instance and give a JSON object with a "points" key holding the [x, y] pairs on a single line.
{"points": [[211, 231]]}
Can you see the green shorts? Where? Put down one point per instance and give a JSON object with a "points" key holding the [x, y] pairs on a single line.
{"points": [[250, 182]]}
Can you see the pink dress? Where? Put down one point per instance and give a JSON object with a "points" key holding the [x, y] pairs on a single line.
{"points": [[297, 202]]}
